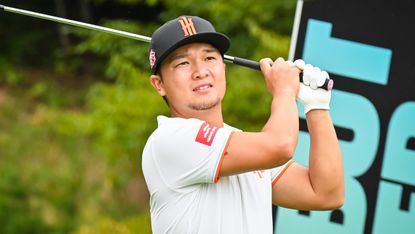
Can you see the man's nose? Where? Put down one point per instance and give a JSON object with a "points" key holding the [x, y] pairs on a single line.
{"points": [[200, 71]]}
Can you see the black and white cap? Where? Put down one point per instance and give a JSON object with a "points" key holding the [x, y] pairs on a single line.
{"points": [[181, 31]]}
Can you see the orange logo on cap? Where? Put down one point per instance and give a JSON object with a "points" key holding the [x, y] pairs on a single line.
{"points": [[187, 26]]}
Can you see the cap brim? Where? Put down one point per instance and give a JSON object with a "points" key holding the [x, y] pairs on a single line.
{"points": [[218, 40]]}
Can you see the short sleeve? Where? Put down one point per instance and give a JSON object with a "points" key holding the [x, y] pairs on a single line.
{"points": [[189, 152], [277, 172]]}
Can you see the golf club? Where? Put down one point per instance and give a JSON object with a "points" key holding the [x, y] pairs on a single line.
{"points": [[328, 85]]}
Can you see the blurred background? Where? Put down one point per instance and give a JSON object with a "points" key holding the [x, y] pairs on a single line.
{"points": [[76, 107]]}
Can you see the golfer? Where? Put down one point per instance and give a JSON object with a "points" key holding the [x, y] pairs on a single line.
{"points": [[205, 176]]}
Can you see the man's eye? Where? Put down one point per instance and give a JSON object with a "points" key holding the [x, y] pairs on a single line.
{"points": [[211, 58], [182, 63]]}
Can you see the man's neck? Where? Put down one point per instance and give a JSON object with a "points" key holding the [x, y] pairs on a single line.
{"points": [[212, 116]]}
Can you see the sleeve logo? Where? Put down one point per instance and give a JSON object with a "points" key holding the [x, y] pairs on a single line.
{"points": [[206, 134]]}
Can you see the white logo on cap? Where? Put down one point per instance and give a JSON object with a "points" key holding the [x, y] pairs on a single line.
{"points": [[152, 58]]}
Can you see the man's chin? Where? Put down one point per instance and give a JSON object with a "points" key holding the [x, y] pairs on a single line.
{"points": [[205, 105]]}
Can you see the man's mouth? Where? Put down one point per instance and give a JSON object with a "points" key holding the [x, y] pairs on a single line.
{"points": [[202, 87]]}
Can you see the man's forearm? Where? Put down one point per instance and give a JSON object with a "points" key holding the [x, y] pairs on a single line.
{"points": [[282, 125], [325, 165]]}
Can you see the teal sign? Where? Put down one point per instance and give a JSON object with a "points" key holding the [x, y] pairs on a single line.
{"points": [[373, 108]]}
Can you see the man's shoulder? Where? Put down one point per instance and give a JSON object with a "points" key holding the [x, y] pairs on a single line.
{"points": [[173, 123], [173, 127]]}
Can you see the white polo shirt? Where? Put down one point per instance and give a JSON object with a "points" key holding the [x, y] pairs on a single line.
{"points": [[181, 162]]}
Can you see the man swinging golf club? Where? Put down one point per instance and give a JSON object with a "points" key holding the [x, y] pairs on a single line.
{"points": [[205, 176]]}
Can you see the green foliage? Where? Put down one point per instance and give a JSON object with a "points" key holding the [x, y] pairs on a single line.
{"points": [[123, 113], [71, 138], [52, 179], [138, 224], [15, 216], [246, 104], [7, 73]]}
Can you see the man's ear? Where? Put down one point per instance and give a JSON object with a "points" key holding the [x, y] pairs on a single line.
{"points": [[158, 84]]}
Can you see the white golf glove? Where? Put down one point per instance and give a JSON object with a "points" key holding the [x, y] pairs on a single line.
{"points": [[310, 95]]}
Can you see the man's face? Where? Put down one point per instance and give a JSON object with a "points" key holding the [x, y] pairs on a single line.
{"points": [[193, 79]]}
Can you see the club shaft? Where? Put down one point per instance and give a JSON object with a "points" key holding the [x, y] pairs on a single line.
{"points": [[231, 59], [76, 23]]}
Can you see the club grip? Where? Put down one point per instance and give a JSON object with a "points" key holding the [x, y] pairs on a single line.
{"points": [[246, 63], [328, 84]]}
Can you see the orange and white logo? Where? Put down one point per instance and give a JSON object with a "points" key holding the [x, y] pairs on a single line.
{"points": [[187, 26], [206, 134]]}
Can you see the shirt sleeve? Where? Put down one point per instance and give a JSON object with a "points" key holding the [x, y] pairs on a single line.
{"points": [[190, 152], [278, 172]]}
